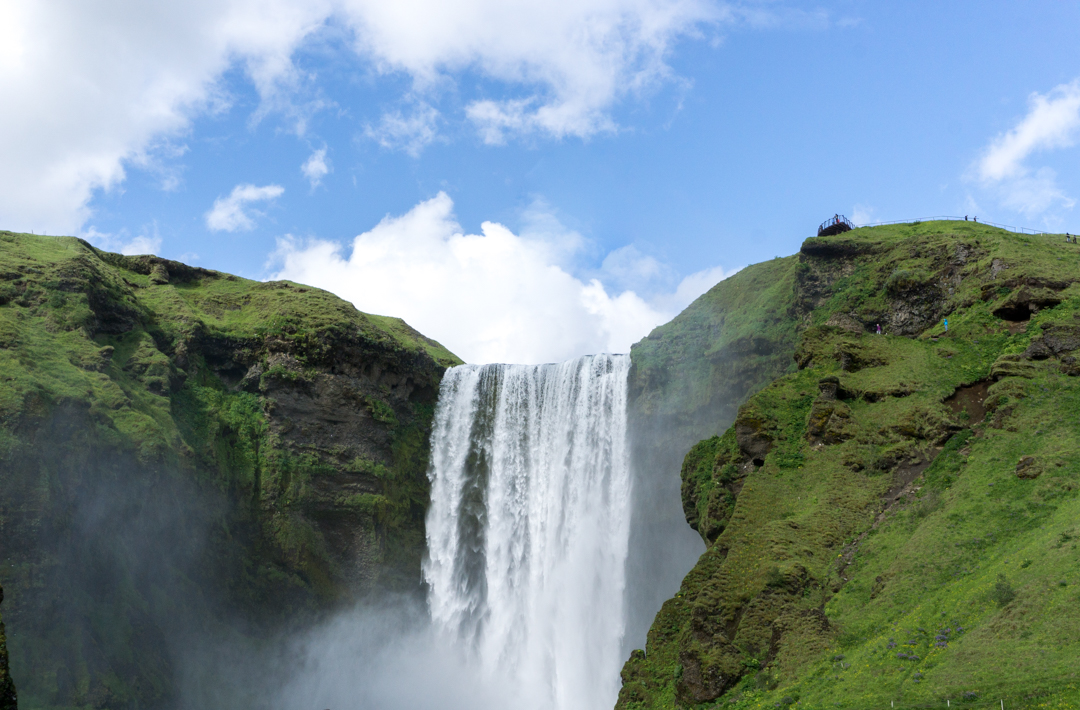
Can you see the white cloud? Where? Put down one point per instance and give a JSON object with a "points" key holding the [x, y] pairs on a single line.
{"points": [[1033, 193], [315, 168], [142, 244], [230, 213], [94, 88], [489, 297], [410, 132], [1052, 122], [91, 87]]}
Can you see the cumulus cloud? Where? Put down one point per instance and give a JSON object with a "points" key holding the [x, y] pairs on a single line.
{"points": [[91, 89], [1052, 122], [147, 243], [231, 213], [489, 297], [315, 168]]}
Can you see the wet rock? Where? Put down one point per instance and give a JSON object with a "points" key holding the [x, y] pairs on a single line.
{"points": [[8, 699]]}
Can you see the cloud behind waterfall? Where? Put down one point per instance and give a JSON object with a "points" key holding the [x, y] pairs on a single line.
{"points": [[489, 297]]}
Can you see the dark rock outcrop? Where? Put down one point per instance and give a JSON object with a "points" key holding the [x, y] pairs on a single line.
{"points": [[8, 700]]}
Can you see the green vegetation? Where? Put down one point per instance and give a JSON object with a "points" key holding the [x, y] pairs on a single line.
{"points": [[893, 521], [732, 340], [267, 438]]}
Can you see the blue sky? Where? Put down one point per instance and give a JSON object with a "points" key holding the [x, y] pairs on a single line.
{"points": [[632, 152]]}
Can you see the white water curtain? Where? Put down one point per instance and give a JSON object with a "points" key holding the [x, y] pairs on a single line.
{"points": [[529, 525]]}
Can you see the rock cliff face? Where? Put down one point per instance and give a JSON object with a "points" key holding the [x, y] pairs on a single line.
{"points": [[8, 700], [181, 449], [892, 517]]}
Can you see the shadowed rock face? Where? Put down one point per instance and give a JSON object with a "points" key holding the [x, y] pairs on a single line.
{"points": [[8, 700]]}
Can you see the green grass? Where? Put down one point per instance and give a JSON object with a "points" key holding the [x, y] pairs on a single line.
{"points": [[807, 583]]}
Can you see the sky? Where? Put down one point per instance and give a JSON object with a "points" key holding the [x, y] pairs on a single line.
{"points": [[526, 181]]}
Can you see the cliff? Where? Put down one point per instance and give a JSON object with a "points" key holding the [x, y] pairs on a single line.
{"points": [[687, 380], [184, 452], [892, 517], [8, 701]]}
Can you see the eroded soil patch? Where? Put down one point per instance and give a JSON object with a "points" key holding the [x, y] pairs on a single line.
{"points": [[970, 399]]}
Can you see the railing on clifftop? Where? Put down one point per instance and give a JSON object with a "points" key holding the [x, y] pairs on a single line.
{"points": [[838, 224], [1018, 230]]}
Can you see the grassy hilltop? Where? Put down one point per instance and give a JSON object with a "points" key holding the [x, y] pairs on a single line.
{"points": [[894, 518], [179, 447]]}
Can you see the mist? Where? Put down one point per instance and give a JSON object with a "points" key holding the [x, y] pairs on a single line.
{"points": [[380, 656]]}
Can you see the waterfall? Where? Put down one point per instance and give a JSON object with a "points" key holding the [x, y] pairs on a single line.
{"points": [[528, 527]]}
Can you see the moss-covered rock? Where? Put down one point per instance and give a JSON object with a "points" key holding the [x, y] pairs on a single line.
{"points": [[686, 382], [861, 506], [181, 447]]}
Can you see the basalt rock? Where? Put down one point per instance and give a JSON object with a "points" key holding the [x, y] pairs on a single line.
{"points": [[8, 699], [1056, 340]]}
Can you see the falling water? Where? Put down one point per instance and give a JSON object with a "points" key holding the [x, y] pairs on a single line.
{"points": [[529, 524]]}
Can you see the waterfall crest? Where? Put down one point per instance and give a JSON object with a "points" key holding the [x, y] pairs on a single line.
{"points": [[528, 527]]}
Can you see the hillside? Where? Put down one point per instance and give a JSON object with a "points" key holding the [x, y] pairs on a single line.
{"points": [[686, 383], [892, 519], [184, 452]]}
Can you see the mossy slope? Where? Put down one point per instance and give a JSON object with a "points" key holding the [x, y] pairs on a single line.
{"points": [[179, 445], [893, 521], [686, 382]]}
